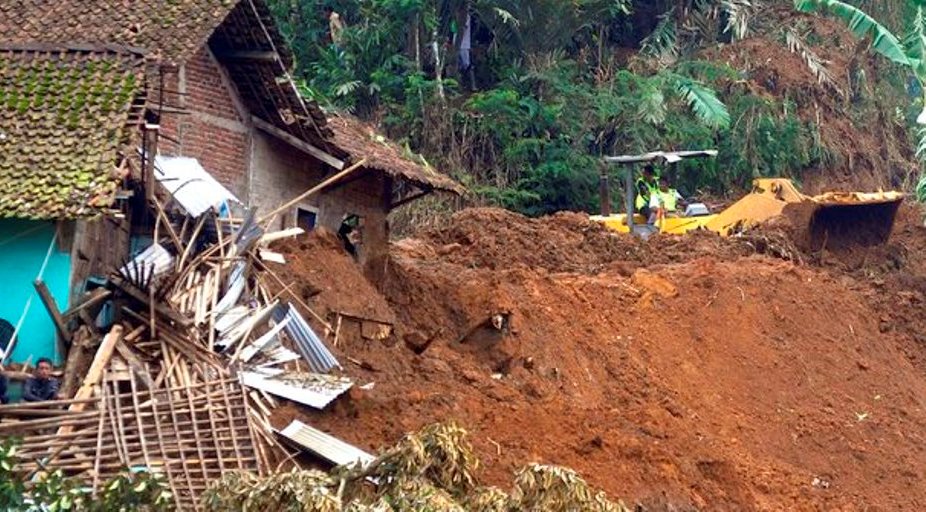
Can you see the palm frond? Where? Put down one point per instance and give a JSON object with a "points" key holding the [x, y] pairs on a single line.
{"points": [[815, 64], [506, 17], [921, 151], [703, 102], [347, 88], [862, 25], [701, 21], [652, 108], [662, 42]]}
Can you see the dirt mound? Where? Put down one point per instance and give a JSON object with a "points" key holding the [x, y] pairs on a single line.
{"points": [[323, 275], [681, 372], [494, 239]]}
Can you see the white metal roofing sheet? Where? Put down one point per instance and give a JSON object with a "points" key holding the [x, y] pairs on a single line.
{"points": [[190, 184], [324, 445]]}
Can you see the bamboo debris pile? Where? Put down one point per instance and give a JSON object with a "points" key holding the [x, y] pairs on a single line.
{"points": [[190, 317], [189, 434]]}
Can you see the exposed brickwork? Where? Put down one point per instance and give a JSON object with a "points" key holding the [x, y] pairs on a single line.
{"points": [[282, 172], [213, 132]]}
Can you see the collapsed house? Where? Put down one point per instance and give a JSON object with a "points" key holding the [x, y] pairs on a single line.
{"points": [[86, 84], [148, 155]]}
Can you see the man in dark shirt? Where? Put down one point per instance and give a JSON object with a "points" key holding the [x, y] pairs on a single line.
{"points": [[41, 386]]}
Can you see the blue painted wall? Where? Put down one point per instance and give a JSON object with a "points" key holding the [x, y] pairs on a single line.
{"points": [[23, 246]]}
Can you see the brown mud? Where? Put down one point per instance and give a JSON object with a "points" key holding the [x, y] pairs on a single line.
{"points": [[681, 373]]}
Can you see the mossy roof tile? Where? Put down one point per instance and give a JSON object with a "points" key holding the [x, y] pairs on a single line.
{"points": [[172, 29], [58, 158]]}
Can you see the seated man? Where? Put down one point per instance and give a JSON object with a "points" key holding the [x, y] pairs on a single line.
{"points": [[664, 202], [41, 386], [646, 188]]}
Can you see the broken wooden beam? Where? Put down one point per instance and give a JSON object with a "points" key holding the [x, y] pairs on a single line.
{"points": [[140, 296], [100, 360], [132, 360], [87, 302], [50, 305]]}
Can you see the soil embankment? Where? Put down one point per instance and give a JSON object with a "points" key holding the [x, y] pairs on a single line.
{"points": [[681, 373]]}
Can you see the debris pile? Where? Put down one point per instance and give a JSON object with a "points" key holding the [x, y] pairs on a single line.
{"points": [[177, 362], [431, 469]]}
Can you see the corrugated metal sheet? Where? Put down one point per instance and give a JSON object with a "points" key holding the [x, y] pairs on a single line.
{"points": [[311, 389], [312, 348], [251, 350], [194, 188], [278, 355], [155, 258], [325, 446], [254, 318], [235, 286], [224, 322]]}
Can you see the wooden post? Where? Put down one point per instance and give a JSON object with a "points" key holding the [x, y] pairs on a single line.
{"points": [[95, 373], [52, 308], [151, 132], [100, 360]]}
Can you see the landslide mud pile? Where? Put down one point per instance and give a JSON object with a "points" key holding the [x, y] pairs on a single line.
{"points": [[684, 373]]}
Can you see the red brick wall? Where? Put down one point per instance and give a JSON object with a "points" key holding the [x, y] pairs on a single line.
{"points": [[213, 131]]}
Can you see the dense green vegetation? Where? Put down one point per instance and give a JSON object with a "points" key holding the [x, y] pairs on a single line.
{"points": [[54, 492], [556, 85]]}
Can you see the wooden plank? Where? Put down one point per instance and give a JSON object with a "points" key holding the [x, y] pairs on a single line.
{"points": [[95, 373], [140, 296], [89, 300], [252, 55], [314, 190], [53, 310], [135, 364]]}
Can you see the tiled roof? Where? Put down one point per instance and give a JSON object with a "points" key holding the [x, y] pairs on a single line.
{"points": [[65, 116], [360, 140], [169, 29], [172, 31]]}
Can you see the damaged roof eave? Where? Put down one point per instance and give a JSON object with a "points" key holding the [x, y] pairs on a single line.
{"points": [[299, 144]]}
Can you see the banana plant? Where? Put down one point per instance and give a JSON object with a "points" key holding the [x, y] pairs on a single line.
{"points": [[909, 51], [700, 98]]}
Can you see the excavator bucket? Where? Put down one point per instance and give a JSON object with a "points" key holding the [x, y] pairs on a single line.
{"points": [[832, 220], [839, 220]]}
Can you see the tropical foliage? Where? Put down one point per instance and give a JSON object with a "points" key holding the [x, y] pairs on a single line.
{"points": [[54, 492], [557, 85], [429, 470]]}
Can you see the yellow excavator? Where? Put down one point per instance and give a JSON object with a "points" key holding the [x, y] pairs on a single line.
{"points": [[830, 218]]}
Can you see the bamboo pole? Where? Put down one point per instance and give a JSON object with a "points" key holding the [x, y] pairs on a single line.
{"points": [[308, 193]]}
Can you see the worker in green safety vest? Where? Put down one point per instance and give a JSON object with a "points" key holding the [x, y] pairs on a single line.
{"points": [[664, 202], [646, 186]]}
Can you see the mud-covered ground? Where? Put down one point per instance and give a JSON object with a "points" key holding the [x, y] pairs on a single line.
{"points": [[680, 373]]}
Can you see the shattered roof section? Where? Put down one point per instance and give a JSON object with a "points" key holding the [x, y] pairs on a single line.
{"points": [[248, 43], [360, 140], [170, 29], [190, 185], [65, 117]]}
